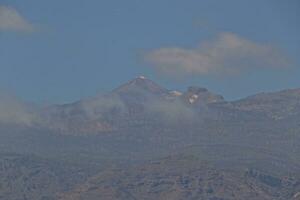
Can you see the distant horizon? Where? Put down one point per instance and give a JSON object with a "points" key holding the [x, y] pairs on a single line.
{"points": [[144, 77]]}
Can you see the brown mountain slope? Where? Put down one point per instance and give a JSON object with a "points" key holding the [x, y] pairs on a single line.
{"points": [[33, 178], [183, 178]]}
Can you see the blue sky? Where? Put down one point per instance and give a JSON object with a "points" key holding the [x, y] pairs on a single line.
{"points": [[62, 50]]}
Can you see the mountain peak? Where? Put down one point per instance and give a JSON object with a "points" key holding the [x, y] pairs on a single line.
{"points": [[141, 83], [140, 80], [141, 77]]}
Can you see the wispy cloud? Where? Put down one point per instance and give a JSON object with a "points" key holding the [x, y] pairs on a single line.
{"points": [[15, 111], [12, 20], [102, 106], [225, 55], [171, 111]]}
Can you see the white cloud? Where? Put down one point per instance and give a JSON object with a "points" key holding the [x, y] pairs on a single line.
{"points": [[225, 55], [12, 20]]}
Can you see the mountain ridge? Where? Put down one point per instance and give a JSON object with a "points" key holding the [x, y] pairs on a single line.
{"points": [[142, 102]]}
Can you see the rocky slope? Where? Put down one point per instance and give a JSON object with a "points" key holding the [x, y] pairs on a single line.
{"points": [[33, 178], [277, 105], [179, 178]]}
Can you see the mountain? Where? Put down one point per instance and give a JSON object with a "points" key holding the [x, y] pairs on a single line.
{"points": [[124, 144], [277, 105], [145, 121], [28, 177], [139, 102], [178, 178], [139, 86], [175, 177], [195, 95]]}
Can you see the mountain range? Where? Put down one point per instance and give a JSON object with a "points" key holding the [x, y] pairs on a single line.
{"points": [[143, 141], [143, 102]]}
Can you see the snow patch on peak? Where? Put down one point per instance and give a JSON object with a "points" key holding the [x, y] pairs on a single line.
{"points": [[193, 98], [175, 93], [142, 77]]}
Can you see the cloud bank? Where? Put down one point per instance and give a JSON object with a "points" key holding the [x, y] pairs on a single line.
{"points": [[12, 20], [228, 54]]}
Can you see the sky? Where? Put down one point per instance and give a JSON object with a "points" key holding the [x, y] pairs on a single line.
{"points": [[60, 51]]}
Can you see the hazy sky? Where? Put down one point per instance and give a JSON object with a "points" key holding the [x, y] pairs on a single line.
{"points": [[63, 50]]}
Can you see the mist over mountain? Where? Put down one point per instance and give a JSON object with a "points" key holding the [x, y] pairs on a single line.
{"points": [[143, 141], [79, 121], [15, 111], [143, 102]]}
